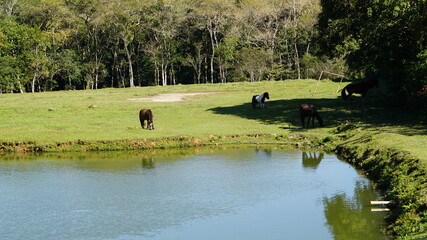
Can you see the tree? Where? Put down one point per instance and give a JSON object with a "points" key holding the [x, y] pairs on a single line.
{"points": [[8, 6], [121, 43], [215, 16], [382, 37], [24, 47], [89, 19], [253, 63]]}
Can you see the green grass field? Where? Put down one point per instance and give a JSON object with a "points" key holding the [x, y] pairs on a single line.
{"points": [[108, 114]]}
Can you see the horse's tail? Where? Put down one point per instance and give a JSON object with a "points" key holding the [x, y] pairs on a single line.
{"points": [[343, 94], [254, 101], [302, 115]]}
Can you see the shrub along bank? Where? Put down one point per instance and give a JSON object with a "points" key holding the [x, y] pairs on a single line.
{"points": [[401, 178]]}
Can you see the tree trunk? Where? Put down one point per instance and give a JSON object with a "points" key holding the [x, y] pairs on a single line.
{"points": [[213, 55], [19, 85], [297, 60], [33, 83], [131, 83], [96, 70], [164, 72]]}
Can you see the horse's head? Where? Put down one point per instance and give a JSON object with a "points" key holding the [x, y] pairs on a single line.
{"points": [[266, 95], [320, 120], [373, 82]]}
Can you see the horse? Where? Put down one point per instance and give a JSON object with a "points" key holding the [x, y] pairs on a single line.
{"points": [[259, 99], [146, 115], [310, 111], [360, 88]]}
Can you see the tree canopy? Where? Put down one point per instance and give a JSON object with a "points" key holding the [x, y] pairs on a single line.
{"points": [[88, 44], [384, 38], [79, 44]]}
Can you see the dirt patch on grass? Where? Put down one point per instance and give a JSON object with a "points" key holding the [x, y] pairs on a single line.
{"points": [[169, 97]]}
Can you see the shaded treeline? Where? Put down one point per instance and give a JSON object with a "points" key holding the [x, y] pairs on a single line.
{"points": [[387, 39], [89, 44]]}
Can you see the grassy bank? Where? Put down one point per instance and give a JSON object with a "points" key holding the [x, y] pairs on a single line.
{"points": [[384, 139], [111, 114]]}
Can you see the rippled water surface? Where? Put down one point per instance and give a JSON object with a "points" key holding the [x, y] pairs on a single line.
{"points": [[189, 194]]}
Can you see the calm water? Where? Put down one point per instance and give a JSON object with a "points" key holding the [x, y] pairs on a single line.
{"points": [[196, 194]]}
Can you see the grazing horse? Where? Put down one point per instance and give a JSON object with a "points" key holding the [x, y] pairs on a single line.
{"points": [[260, 99], [146, 115], [360, 88], [310, 111]]}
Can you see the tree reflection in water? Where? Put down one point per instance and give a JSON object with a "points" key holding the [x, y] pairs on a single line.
{"points": [[346, 218], [311, 159]]}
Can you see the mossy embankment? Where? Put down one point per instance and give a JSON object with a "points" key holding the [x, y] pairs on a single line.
{"points": [[401, 178]]}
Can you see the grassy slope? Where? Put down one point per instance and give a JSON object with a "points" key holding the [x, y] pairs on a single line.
{"points": [[107, 114]]}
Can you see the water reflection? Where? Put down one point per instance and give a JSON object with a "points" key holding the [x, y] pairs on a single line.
{"points": [[312, 159], [197, 193], [148, 162], [265, 152], [347, 219]]}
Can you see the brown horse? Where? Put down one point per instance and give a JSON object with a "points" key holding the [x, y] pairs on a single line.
{"points": [[360, 88], [146, 115], [310, 111]]}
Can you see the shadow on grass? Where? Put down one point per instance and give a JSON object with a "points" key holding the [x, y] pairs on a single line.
{"points": [[374, 113]]}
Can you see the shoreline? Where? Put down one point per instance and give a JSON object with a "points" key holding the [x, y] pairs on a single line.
{"points": [[401, 178]]}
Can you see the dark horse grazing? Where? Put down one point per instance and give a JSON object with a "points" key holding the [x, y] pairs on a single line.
{"points": [[310, 111], [260, 99], [146, 115], [361, 88]]}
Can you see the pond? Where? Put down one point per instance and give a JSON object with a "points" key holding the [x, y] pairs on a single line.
{"points": [[241, 193]]}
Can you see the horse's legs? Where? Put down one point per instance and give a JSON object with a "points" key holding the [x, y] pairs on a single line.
{"points": [[302, 121], [363, 97], [349, 96], [312, 122], [308, 121]]}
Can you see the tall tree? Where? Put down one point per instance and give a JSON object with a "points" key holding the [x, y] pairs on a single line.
{"points": [[387, 38], [215, 17]]}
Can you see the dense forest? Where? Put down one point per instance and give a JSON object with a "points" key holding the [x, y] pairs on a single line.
{"points": [[89, 44]]}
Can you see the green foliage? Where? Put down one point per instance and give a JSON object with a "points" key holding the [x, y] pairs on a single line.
{"points": [[402, 178], [313, 66], [23, 55], [253, 63], [9, 70], [384, 37], [125, 43]]}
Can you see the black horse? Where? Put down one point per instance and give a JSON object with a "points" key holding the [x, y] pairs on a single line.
{"points": [[260, 99], [146, 115], [360, 88], [310, 111]]}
